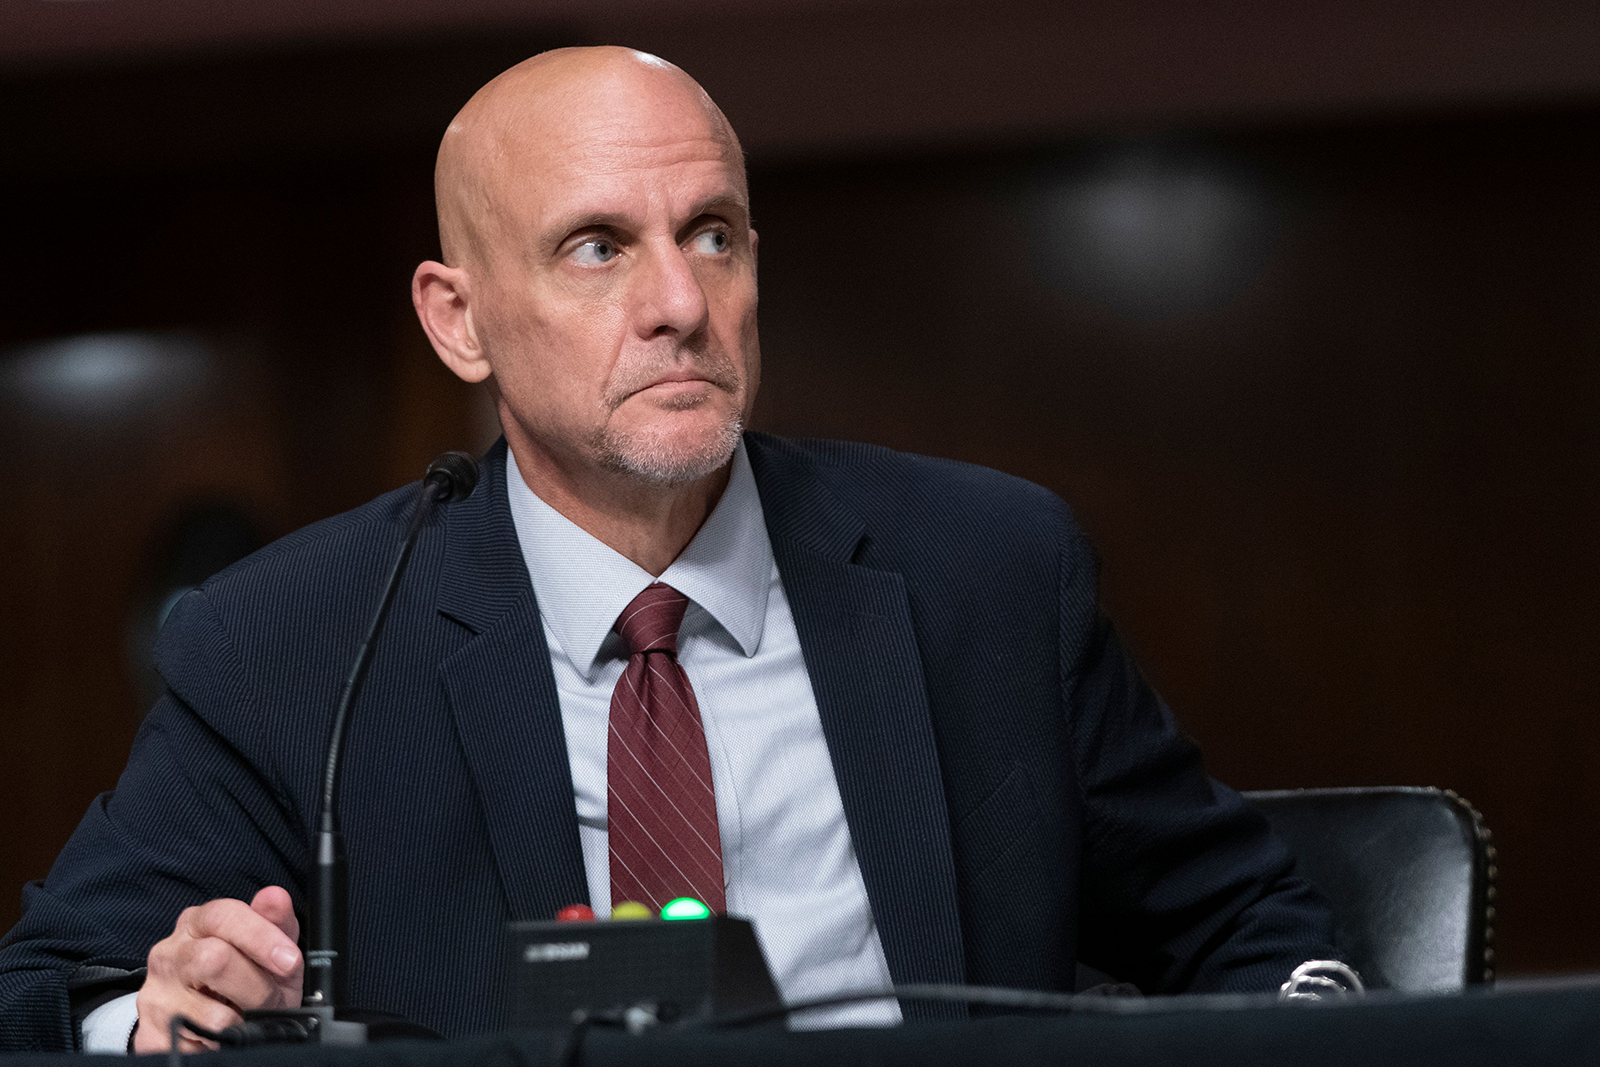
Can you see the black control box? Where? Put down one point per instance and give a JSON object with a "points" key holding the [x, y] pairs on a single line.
{"points": [[685, 968]]}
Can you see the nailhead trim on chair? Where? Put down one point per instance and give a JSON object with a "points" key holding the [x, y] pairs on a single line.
{"points": [[1491, 876]]}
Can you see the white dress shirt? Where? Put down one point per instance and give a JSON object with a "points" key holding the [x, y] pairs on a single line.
{"points": [[108, 1027], [786, 852], [787, 858]]}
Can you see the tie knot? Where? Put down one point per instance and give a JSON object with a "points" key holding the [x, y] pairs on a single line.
{"points": [[650, 621]]}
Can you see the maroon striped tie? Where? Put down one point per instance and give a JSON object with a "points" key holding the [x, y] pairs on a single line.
{"points": [[660, 809]]}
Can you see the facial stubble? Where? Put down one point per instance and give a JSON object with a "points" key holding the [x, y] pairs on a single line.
{"points": [[662, 459]]}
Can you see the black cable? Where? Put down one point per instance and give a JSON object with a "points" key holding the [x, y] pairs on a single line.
{"points": [[1099, 1000], [571, 1051], [1105, 1000], [1027, 999], [179, 1022], [239, 1035]]}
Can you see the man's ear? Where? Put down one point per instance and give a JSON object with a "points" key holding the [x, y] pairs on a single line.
{"points": [[442, 297]]}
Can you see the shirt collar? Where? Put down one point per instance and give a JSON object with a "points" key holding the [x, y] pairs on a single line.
{"points": [[583, 584]]}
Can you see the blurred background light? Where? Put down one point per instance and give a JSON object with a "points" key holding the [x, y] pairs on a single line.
{"points": [[1150, 234], [102, 376]]}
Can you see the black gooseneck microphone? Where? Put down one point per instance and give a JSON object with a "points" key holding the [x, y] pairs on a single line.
{"points": [[450, 477]]}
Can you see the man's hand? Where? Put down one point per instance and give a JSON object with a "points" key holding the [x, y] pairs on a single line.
{"points": [[223, 957]]}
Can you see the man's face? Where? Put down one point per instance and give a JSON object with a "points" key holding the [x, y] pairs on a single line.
{"points": [[615, 289]]}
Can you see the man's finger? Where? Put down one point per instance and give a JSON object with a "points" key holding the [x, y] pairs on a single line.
{"points": [[221, 970], [157, 1009], [276, 906], [204, 1011], [257, 937]]}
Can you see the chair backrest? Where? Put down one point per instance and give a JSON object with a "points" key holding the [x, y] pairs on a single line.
{"points": [[1409, 872]]}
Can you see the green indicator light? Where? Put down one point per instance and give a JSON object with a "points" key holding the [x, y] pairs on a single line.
{"points": [[685, 908]]}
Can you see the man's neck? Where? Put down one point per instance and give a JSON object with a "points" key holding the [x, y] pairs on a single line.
{"points": [[649, 524]]}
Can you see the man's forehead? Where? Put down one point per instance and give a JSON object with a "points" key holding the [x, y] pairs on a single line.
{"points": [[619, 151], [602, 163], [565, 130], [606, 120]]}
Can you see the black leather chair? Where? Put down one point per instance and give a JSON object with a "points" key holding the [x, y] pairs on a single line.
{"points": [[1410, 874]]}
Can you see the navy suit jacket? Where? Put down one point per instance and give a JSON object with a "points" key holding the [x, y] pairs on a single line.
{"points": [[1019, 799]]}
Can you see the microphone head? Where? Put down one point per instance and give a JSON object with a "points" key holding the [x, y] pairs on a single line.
{"points": [[455, 474]]}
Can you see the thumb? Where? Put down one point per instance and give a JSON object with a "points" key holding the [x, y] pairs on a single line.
{"points": [[275, 905]]}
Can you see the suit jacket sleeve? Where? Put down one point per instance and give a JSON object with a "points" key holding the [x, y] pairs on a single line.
{"points": [[192, 818], [1184, 887]]}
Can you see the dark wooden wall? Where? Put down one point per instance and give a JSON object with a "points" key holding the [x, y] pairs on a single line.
{"points": [[1324, 395], [1348, 513]]}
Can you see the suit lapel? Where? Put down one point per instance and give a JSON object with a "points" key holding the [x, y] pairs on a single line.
{"points": [[507, 711], [861, 654]]}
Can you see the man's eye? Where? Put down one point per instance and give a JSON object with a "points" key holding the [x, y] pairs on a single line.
{"points": [[711, 242], [599, 250]]}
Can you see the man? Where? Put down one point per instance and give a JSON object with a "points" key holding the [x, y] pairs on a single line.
{"points": [[865, 699]]}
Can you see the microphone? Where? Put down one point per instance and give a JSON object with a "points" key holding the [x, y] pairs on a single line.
{"points": [[449, 478]]}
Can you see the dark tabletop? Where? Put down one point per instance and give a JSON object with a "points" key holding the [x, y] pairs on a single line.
{"points": [[1554, 1024]]}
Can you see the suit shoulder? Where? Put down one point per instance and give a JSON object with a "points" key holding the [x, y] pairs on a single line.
{"points": [[301, 600], [304, 555], [319, 559], [872, 477]]}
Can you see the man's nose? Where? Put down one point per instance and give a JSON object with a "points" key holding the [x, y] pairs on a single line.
{"points": [[669, 298]]}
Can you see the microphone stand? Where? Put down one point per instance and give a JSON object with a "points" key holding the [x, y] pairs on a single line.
{"points": [[319, 1018]]}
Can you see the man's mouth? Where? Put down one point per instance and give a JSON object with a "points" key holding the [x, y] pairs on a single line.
{"points": [[679, 383], [680, 378]]}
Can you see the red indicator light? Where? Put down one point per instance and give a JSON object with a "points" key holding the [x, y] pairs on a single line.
{"points": [[575, 913]]}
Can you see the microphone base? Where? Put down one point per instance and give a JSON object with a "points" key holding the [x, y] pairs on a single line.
{"points": [[301, 1026]]}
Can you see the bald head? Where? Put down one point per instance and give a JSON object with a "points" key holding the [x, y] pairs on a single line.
{"points": [[552, 115], [600, 273]]}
